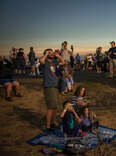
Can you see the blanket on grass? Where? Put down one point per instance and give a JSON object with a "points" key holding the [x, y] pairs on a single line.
{"points": [[90, 141]]}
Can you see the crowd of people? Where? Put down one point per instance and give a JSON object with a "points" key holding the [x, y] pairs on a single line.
{"points": [[57, 71], [98, 61], [77, 119], [60, 65]]}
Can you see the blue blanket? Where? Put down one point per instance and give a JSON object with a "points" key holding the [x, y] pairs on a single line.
{"points": [[81, 144]]}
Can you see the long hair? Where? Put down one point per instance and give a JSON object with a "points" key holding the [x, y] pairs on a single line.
{"points": [[83, 110], [78, 90]]}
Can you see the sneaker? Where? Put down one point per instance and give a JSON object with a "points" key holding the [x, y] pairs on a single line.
{"points": [[9, 99]]}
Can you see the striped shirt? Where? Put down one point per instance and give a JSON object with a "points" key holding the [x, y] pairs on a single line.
{"points": [[75, 102]]}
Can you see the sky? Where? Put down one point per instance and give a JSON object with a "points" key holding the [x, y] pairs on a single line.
{"points": [[86, 24]]}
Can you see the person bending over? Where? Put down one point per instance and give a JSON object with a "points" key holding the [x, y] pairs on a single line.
{"points": [[6, 80]]}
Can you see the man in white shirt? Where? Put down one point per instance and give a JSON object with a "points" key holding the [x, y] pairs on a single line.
{"points": [[65, 52]]}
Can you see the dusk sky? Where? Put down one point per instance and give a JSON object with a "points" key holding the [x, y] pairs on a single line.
{"points": [[47, 23]]}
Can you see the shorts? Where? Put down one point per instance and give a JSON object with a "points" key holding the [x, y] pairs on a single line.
{"points": [[3, 81], [99, 64], [70, 80], [20, 65], [51, 97]]}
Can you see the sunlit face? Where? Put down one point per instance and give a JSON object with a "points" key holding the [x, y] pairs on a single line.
{"points": [[112, 44], [100, 49], [65, 45], [82, 92]]}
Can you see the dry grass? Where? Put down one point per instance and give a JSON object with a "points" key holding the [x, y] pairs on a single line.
{"points": [[24, 118]]}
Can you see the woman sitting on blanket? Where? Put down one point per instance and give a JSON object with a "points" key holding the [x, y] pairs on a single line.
{"points": [[88, 123], [70, 118], [79, 99], [73, 125]]}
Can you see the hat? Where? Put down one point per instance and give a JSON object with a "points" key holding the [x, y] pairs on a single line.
{"points": [[112, 42]]}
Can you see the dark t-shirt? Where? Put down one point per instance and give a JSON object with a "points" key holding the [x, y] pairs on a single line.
{"points": [[99, 56], [6, 71], [59, 71], [68, 123], [112, 52], [20, 56], [31, 56], [49, 74]]}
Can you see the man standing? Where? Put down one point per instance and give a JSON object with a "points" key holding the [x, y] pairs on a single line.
{"points": [[77, 61], [32, 56], [112, 55], [50, 81], [65, 52], [99, 60], [32, 61], [21, 61]]}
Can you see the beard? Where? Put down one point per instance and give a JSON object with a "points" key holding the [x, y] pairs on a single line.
{"points": [[50, 57]]}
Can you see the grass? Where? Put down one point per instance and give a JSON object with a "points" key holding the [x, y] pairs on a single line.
{"points": [[24, 118]]}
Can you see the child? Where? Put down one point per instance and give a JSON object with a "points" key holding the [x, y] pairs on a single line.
{"points": [[67, 80], [69, 117], [88, 124]]}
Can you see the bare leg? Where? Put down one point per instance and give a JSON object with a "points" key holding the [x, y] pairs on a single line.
{"points": [[54, 116], [49, 117], [15, 84], [8, 87]]}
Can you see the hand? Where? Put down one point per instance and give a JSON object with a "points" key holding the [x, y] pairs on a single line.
{"points": [[80, 102], [56, 54], [70, 108], [72, 47], [67, 106], [47, 53], [83, 104]]}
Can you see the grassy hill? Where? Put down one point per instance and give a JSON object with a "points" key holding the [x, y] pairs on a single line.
{"points": [[24, 118]]}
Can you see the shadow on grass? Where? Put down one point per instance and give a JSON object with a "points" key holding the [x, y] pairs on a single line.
{"points": [[35, 119]]}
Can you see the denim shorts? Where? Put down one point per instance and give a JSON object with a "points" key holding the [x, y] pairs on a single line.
{"points": [[3, 81]]}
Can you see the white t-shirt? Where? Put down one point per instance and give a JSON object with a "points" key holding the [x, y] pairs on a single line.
{"points": [[90, 58], [66, 54]]}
